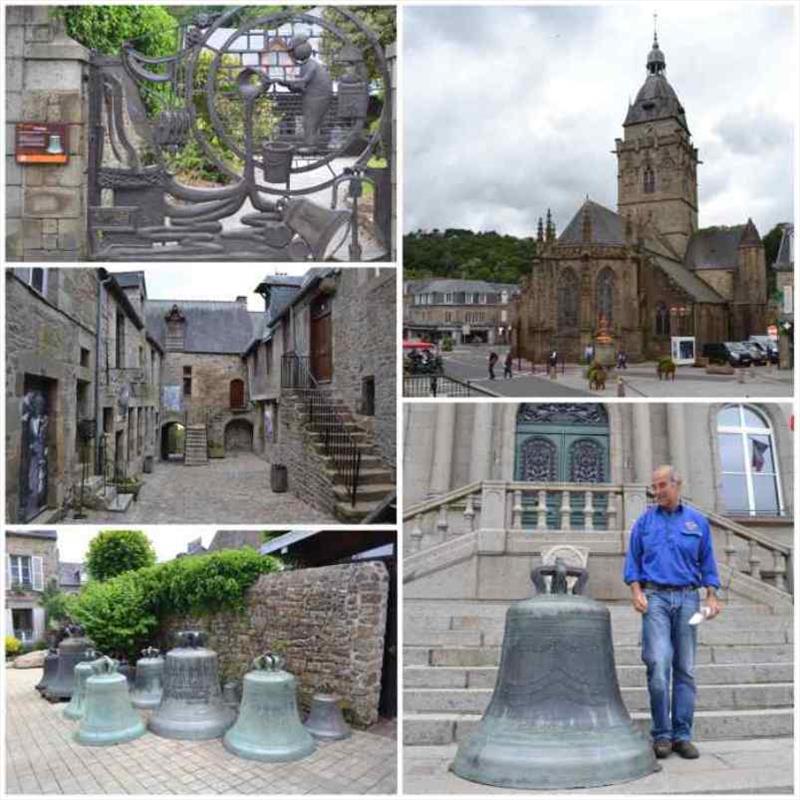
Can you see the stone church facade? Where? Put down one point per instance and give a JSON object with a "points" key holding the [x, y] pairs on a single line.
{"points": [[646, 269]]}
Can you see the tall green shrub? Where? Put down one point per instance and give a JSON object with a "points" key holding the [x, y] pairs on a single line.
{"points": [[113, 552]]}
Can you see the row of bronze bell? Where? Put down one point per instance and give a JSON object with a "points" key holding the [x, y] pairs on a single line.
{"points": [[183, 691]]}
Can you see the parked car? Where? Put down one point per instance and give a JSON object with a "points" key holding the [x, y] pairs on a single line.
{"points": [[768, 344], [758, 355], [733, 353]]}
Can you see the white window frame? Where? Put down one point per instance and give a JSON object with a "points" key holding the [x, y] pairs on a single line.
{"points": [[744, 431], [26, 273]]}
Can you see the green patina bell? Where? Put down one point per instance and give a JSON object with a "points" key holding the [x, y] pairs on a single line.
{"points": [[109, 717], [147, 688], [556, 719], [77, 704], [269, 727]]}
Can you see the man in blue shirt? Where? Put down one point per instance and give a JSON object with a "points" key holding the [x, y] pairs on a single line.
{"points": [[670, 556]]}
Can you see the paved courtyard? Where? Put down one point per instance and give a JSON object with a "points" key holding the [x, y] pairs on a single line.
{"points": [[470, 362], [43, 758], [234, 489], [724, 767]]}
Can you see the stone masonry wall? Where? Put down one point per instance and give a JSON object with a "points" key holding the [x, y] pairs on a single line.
{"points": [[45, 80], [329, 622], [20, 545]]}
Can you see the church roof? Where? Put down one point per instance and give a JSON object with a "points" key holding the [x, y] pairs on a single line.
{"points": [[212, 326], [607, 227], [784, 261], [698, 289], [717, 247]]}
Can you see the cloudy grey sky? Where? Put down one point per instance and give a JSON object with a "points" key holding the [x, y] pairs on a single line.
{"points": [[509, 110], [167, 540]]}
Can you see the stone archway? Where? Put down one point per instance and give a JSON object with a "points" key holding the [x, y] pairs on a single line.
{"points": [[239, 436], [172, 441]]}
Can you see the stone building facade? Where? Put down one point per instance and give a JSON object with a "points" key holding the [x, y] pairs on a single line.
{"points": [[329, 623], [646, 272], [31, 564]]}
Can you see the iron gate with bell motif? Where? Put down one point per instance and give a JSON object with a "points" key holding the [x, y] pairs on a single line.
{"points": [[286, 109]]}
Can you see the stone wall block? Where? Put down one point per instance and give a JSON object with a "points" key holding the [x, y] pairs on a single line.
{"points": [[13, 106], [14, 75], [13, 201], [52, 75], [53, 202], [14, 249], [15, 39], [34, 106]]}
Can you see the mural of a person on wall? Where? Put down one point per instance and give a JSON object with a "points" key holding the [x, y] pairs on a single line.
{"points": [[34, 442]]}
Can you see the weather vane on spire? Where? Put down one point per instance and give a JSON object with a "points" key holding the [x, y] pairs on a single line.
{"points": [[655, 28]]}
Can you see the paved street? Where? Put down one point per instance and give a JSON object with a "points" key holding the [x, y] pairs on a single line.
{"points": [[732, 766], [43, 758], [234, 489], [470, 362]]}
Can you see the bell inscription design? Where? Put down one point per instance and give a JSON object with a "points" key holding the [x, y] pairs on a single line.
{"points": [[72, 651], [191, 704], [269, 727], [147, 688], [325, 720], [556, 719], [109, 718], [77, 705], [49, 670]]}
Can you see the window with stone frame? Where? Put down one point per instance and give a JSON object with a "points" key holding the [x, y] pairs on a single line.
{"points": [[187, 381], [649, 180], [604, 295], [25, 571], [237, 393], [268, 357], [567, 299], [662, 319], [120, 338], [35, 277]]}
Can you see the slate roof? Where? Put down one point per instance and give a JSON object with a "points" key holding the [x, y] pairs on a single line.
{"points": [[688, 281], [69, 573], [212, 326], [784, 261], [130, 280], [459, 285], [607, 226], [655, 100], [714, 248]]}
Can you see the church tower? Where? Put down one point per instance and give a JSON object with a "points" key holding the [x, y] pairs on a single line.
{"points": [[656, 161]]}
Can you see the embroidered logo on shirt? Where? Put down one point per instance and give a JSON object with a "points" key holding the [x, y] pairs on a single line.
{"points": [[690, 526]]}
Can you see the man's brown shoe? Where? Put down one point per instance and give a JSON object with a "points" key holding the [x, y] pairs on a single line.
{"points": [[662, 748], [685, 749]]}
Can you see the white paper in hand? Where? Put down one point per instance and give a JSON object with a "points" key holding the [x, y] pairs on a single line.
{"points": [[700, 616]]}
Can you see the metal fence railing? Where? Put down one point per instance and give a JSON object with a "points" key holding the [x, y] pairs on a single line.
{"points": [[441, 386]]}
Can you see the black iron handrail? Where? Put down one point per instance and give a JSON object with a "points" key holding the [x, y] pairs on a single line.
{"points": [[337, 441], [441, 385]]}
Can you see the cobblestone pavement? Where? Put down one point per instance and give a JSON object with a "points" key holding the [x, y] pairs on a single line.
{"points": [[725, 767], [43, 758], [469, 362], [234, 489]]}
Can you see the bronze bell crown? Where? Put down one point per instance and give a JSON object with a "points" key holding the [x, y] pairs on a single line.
{"points": [[556, 719]]}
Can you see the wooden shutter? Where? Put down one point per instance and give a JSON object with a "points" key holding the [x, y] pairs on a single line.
{"points": [[37, 573]]}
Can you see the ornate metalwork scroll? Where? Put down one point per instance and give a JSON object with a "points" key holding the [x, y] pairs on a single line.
{"points": [[538, 460], [587, 463], [276, 106], [563, 413]]}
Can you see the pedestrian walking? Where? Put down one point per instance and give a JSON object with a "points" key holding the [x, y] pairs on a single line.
{"points": [[507, 366], [493, 359]]}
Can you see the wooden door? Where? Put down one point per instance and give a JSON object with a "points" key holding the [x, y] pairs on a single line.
{"points": [[321, 340]]}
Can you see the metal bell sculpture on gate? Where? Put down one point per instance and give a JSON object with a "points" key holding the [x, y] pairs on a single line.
{"points": [[191, 703], [72, 651], [147, 688], [269, 727], [77, 705], [49, 671], [556, 719], [325, 720], [109, 718]]}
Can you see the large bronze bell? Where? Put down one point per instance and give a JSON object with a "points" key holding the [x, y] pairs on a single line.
{"points": [[556, 719], [72, 651], [147, 687], [269, 727], [109, 717], [191, 703], [77, 704], [49, 670], [325, 720]]}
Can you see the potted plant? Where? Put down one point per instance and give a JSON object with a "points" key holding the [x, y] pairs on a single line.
{"points": [[597, 375], [665, 369]]}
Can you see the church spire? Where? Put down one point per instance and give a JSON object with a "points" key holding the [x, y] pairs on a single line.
{"points": [[656, 63]]}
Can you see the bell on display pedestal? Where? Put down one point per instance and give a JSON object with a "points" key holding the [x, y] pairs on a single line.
{"points": [[109, 717], [72, 651], [191, 703], [269, 727], [77, 705], [147, 688], [556, 719], [325, 720], [49, 671]]}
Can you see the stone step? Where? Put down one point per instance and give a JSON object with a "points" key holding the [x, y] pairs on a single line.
{"points": [[371, 493], [366, 475], [120, 503], [436, 729], [424, 677], [470, 656], [353, 514], [733, 696]]}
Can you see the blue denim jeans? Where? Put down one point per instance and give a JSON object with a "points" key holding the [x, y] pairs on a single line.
{"points": [[668, 649]]}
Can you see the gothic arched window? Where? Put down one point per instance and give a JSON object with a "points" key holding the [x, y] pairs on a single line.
{"points": [[649, 180], [604, 298], [749, 464], [567, 299], [662, 319]]}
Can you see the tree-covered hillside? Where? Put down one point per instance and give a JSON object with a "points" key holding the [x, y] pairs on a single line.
{"points": [[457, 253]]}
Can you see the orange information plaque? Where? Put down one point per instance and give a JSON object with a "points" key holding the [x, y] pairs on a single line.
{"points": [[41, 143]]}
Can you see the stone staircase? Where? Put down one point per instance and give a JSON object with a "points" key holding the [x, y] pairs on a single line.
{"points": [[375, 480], [99, 499], [196, 446], [744, 669]]}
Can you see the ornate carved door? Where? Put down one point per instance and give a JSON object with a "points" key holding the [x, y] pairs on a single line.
{"points": [[34, 456]]}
